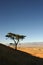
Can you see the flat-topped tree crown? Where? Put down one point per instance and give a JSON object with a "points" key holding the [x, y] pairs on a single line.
{"points": [[15, 37]]}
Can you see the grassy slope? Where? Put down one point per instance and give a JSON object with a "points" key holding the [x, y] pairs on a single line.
{"points": [[35, 51], [9, 56]]}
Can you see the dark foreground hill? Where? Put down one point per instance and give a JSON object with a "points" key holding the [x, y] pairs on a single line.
{"points": [[9, 56]]}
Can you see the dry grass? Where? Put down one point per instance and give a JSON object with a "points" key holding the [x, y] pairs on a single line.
{"points": [[35, 51], [22, 56]]}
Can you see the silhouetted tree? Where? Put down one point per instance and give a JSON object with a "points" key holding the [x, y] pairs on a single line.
{"points": [[16, 38]]}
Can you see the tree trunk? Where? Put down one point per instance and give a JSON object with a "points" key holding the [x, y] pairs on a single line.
{"points": [[15, 46]]}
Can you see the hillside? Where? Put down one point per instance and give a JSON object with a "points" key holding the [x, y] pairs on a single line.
{"points": [[9, 56]]}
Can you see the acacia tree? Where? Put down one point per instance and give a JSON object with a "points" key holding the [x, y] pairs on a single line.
{"points": [[16, 38]]}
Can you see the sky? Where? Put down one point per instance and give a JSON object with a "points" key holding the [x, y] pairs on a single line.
{"points": [[23, 17]]}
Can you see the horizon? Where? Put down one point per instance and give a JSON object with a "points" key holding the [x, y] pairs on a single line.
{"points": [[24, 43], [23, 17]]}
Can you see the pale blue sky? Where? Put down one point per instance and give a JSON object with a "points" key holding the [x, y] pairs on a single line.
{"points": [[22, 17]]}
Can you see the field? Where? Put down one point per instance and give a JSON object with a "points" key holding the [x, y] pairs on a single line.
{"points": [[35, 51], [22, 56]]}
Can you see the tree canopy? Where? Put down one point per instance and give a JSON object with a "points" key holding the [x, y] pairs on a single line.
{"points": [[15, 37]]}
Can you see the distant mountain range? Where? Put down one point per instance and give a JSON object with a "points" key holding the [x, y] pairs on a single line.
{"points": [[29, 44], [32, 44]]}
